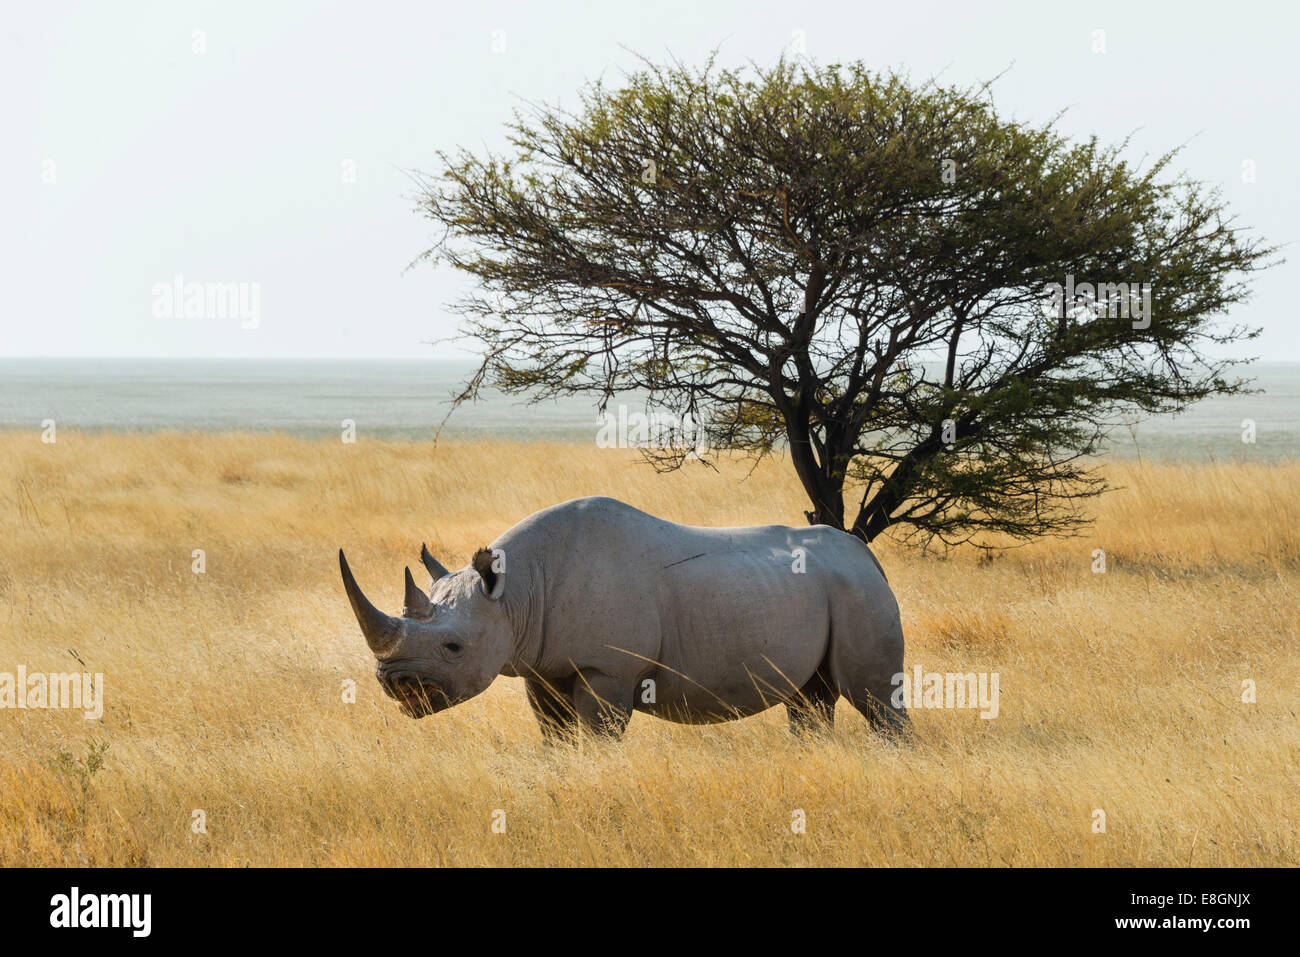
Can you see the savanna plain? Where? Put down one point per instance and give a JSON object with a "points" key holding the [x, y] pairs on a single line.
{"points": [[228, 737]]}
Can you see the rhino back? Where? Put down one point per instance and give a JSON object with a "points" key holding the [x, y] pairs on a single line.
{"points": [[721, 620]]}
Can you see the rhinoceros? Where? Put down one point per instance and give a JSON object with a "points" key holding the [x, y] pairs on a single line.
{"points": [[604, 610]]}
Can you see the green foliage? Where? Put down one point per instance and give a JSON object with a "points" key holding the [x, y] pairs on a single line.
{"points": [[838, 262], [80, 772]]}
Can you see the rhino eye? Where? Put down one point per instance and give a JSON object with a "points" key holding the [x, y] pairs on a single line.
{"points": [[452, 647]]}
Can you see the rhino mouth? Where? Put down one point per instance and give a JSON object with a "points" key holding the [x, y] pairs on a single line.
{"points": [[422, 700]]}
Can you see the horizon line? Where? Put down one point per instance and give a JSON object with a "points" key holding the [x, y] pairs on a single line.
{"points": [[89, 358], [411, 359]]}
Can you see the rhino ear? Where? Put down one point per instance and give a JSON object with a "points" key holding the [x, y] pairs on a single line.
{"points": [[490, 563]]}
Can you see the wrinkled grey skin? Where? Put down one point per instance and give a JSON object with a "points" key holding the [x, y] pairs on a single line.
{"points": [[605, 610]]}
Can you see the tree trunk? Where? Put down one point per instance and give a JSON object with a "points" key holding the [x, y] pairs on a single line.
{"points": [[828, 509], [825, 492]]}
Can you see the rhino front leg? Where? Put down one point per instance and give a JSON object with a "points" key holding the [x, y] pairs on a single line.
{"points": [[603, 703], [552, 703]]}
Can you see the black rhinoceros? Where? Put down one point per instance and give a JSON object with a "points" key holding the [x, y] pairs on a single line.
{"points": [[604, 610]]}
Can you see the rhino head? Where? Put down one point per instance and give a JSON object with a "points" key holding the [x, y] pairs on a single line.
{"points": [[447, 646]]}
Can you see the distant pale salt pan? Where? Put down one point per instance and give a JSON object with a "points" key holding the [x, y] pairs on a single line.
{"points": [[409, 399]]}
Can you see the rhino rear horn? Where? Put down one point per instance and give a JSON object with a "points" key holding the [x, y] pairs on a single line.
{"points": [[417, 602], [381, 631], [436, 570]]}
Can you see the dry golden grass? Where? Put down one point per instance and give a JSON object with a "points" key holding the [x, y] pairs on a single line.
{"points": [[1120, 691]]}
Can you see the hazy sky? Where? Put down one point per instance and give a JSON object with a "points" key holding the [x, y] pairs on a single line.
{"points": [[130, 158]]}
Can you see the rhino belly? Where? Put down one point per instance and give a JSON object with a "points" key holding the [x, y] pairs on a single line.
{"points": [[742, 638]]}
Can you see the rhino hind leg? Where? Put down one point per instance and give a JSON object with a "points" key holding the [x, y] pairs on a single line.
{"points": [[886, 720], [814, 708], [865, 657], [552, 704]]}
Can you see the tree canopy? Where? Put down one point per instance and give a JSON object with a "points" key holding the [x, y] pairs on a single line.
{"points": [[859, 271]]}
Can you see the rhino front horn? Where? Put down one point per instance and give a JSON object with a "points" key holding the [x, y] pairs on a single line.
{"points": [[381, 631]]}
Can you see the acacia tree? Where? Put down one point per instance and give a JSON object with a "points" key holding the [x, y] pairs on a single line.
{"points": [[852, 269]]}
